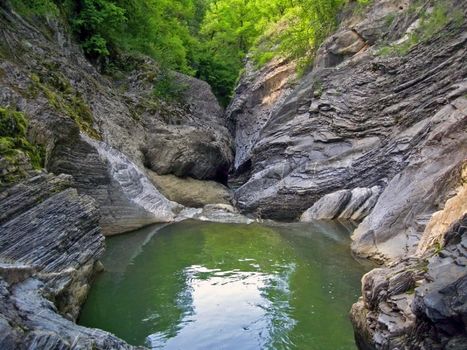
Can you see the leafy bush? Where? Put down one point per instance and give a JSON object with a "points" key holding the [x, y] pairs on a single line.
{"points": [[13, 141], [97, 24], [208, 39]]}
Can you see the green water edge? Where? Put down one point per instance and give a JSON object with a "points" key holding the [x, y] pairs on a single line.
{"points": [[201, 285]]}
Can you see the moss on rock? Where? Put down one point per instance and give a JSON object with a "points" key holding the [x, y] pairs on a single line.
{"points": [[65, 99], [17, 154]]}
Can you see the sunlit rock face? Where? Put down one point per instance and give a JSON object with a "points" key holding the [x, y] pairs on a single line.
{"points": [[259, 92]]}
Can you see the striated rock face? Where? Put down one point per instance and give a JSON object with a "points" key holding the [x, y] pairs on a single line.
{"points": [[344, 204], [418, 302], [360, 119], [379, 138], [104, 131], [50, 243], [258, 94], [397, 222]]}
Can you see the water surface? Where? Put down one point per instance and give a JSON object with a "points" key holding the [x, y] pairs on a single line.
{"points": [[198, 285]]}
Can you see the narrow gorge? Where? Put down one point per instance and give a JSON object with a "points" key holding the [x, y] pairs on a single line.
{"points": [[325, 207]]}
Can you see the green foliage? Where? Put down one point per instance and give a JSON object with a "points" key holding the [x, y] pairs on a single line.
{"points": [[97, 24], [209, 39], [35, 7], [166, 86], [64, 98], [438, 247], [302, 28], [13, 141], [430, 24]]}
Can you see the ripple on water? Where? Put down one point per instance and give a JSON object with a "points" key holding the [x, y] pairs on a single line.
{"points": [[197, 285]]}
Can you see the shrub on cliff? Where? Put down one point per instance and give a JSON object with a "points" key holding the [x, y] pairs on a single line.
{"points": [[13, 141], [17, 154], [208, 39]]}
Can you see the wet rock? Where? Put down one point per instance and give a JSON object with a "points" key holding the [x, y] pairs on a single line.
{"points": [[223, 213]]}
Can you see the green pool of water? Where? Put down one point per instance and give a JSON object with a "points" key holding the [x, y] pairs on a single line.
{"points": [[197, 285]]}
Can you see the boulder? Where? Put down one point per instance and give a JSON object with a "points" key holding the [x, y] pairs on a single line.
{"points": [[191, 192], [344, 204], [418, 302]]}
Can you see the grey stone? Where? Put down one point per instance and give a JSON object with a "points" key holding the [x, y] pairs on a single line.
{"points": [[186, 136], [394, 122], [353, 205], [418, 302], [50, 243]]}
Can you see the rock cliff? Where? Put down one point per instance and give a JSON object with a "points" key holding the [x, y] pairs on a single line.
{"points": [[50, 244], [105, 130], [362, 119], [375, 132]]}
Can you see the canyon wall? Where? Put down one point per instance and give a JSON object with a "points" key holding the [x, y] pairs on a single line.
{"points": [[375, 132], [386, 126], [109, 131]]}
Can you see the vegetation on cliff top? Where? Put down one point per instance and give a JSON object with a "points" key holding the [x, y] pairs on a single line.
{"points": [[208, 39]]}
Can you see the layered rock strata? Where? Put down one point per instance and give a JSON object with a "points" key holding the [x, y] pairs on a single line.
{"points": [[83, 119], [360, 119], [418, 302], [50, 243]]}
